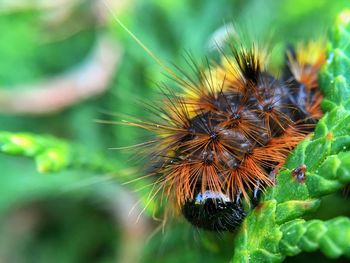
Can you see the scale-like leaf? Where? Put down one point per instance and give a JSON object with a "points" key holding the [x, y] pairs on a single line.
{"points": [[52, 154]]}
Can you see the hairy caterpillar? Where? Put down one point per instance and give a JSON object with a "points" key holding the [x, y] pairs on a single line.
{"points": [[224, 137]]}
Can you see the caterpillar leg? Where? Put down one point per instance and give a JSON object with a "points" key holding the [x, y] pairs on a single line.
{"points": [[256, 193]]}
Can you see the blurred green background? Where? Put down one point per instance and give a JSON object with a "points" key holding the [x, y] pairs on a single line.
{"points": [[67, 63]]}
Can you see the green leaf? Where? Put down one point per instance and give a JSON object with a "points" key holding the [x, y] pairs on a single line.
{"points": [[332, 237], [259, 242], [334, 78], [51, 154]]}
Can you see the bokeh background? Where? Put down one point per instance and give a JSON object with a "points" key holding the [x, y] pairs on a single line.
{"points": [[65, 64]]}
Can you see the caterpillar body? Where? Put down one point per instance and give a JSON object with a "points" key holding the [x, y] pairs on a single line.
{"points": [[222, 140]]}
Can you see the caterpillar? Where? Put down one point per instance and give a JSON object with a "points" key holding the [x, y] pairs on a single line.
{"points": [[221, 141]]}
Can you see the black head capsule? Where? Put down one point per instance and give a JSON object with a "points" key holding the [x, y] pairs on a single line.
{"points": [[214, 211]]}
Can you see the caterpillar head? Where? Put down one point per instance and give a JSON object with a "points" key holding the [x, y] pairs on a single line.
{"points": [[213, 211]]}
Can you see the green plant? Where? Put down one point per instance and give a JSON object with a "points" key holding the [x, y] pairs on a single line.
{"points": [[274, 229]]}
